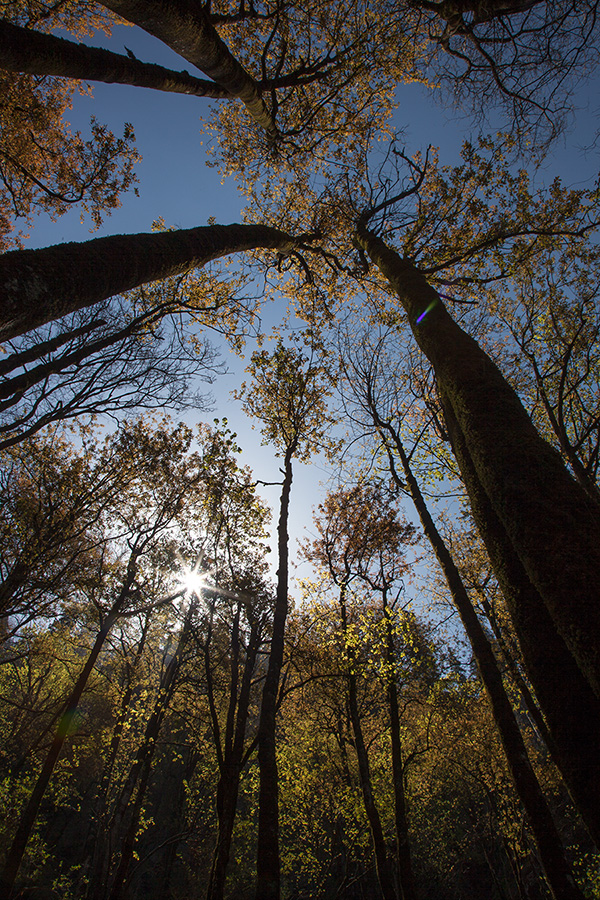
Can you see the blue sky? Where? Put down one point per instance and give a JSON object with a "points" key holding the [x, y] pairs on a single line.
{"points": [[175, 183]]}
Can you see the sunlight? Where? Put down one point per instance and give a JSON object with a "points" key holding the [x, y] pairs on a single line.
{"points": [[193, 581]]}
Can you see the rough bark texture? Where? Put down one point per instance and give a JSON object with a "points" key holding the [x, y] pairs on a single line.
{"points": [[184, 26], [24, 50], [268, 872], [38, 286], [551, 523], [550, 848], [571, 708]]}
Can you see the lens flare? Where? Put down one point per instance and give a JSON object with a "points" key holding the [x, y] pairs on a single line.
{"points": [[424, 313], [193, 582]]}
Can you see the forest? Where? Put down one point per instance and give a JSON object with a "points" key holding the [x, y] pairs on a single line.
{"points": [[415, 716]]}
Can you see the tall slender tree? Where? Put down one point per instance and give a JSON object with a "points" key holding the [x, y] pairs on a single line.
{"points": [[287, 394], [362, 537]]}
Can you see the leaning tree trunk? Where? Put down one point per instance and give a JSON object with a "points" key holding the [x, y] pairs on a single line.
{"points": [[131, 800], [38, 286], [268, 873], [185, 27], [550, 848], [36, 53], [29, 815], [571, 708], [550, 522]]}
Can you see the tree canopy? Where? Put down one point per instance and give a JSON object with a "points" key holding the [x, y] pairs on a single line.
{"points": [[419, 716]]}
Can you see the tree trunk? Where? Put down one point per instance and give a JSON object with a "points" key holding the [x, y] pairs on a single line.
{"points": [[184, 26], [36, 53], [550, 848], [268, 876], [405, 869], [550, 522], [29, 815], [571, 708], [384, 873], [137, 780], [229, 780], [101, 853], [227, 794], [38, 286], [512, 666]]}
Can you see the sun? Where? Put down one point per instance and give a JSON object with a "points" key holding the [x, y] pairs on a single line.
{"points": [[193, 582]]}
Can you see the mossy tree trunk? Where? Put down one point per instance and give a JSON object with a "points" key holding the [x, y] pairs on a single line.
{"points": [[185, 27], [551, 524], [38, 286], [37, 53]]}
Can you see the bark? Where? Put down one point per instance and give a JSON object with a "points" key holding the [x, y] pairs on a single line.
{"points": [[550, 848], [571, 708], [29, 815], [382, 862], [129, 806], [268, 874], [227, 794], [550, 522], [512, 666], [36, 53], [13, 389], [231, 767], [405, 869], [185, 27], [100, 861], [38, 286]]}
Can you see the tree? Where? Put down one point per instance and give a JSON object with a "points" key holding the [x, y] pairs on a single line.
{"points": [[555, 329], [166, 474], [360, 536], [44, 167], [100, 362], [497, 54], [232, 632], [55, 502], [287, 395], [36, 53], [513, 463], [366, 389], [318, 83], [129, 805], [186, 28], [377, 394], [39, 286]]}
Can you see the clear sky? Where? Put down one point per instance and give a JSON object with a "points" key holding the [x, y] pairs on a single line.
{"points": [[175, 183]]}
